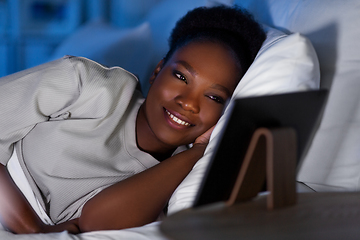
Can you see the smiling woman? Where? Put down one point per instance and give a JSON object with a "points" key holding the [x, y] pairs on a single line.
{"points": [[187, 96], [99, 156]]}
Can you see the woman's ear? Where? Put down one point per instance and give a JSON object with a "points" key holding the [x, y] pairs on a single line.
{"points": [[156, 71]]}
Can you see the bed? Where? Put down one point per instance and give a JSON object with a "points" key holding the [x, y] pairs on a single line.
{"points": [[310, 44]]}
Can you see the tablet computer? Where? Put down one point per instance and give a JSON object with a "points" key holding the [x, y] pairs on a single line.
{"points": [[299, 110]]}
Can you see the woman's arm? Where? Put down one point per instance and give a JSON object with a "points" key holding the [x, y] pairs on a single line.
{"points": [[140, 199], [16, 213], [33, 96], [27, 98]]}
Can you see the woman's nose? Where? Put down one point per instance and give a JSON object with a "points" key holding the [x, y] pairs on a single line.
{"points": [[189, 102]]}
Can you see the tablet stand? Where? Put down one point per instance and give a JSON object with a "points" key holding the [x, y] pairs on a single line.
{"points": [[271, 156]]}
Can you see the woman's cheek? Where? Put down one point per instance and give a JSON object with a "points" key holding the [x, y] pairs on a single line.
{"points": [[211, 116]]}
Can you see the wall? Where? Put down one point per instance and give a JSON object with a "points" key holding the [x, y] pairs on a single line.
{"points": [[31, 30]]}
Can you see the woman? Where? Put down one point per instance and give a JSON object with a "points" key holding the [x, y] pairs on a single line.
{"points": [[96, 154]]}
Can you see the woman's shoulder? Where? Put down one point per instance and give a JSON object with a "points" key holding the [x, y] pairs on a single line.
{"points": [[86, 65], [96, 77]]}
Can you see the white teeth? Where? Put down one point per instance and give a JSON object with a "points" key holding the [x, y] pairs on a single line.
{"points": [[177, 120]]}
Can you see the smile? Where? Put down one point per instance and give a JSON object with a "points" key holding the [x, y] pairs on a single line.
{"points": [[177, 120]]}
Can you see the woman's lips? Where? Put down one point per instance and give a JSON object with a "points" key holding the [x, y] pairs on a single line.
{"points": [[177, 120]]}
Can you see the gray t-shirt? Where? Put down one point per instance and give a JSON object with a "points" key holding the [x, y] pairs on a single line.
{"points": [[73, 123]]}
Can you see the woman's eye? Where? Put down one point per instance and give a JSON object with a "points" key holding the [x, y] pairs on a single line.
{"points": [[217, 99], [180, 76]]}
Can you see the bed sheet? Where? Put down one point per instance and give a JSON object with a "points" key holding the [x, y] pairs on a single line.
{"points": [[147, 232]]}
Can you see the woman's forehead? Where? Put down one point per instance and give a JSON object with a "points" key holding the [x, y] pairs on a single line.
{"points": [[209, 59]]}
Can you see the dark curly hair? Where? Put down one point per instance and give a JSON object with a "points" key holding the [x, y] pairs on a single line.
{"points": [[232, 26]]}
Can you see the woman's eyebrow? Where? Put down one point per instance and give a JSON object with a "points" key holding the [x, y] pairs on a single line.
{"points": [[193, 72], [187, 66], [221, 88]]}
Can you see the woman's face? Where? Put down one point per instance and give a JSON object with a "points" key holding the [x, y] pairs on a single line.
{"points": [[189, 92]]}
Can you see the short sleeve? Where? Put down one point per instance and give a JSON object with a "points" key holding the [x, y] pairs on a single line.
{"points": [[30, 96], [43, 93]]}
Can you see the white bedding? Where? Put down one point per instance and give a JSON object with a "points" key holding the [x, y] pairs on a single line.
{"points": [[148, 232]]}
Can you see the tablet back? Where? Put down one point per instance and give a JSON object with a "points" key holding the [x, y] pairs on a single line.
{"points": [[300, 110]]}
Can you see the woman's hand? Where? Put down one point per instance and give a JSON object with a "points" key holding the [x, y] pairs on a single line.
{"points": [[17, 215], [205, 137]]}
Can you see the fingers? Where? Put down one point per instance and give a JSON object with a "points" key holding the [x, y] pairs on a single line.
{"points": [[205, 137]]}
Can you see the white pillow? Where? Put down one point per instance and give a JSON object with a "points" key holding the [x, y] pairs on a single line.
{"points": [[285, 63]]}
